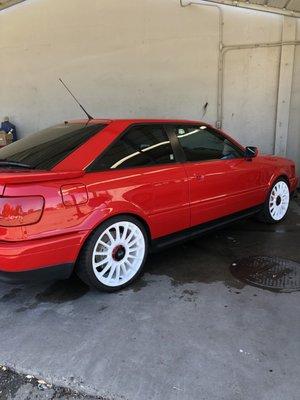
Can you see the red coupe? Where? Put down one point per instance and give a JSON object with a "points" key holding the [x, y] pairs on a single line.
{"points": [[94, 197]]}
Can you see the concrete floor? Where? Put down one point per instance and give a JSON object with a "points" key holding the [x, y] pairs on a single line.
{"points": [[24, 387], [187, 330]]}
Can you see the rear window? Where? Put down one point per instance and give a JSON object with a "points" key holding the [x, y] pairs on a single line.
{"points": [[45, 149]]}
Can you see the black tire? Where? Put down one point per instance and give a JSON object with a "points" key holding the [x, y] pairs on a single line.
{"points": [[84, 265], [265, 214]]}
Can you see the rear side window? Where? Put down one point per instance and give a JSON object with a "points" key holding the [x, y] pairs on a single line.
{"points": [[142, 145], [201, 143], [45, 149]]}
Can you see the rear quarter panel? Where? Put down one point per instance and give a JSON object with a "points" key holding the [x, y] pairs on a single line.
{"points": [[59, 218], [109, 193]]}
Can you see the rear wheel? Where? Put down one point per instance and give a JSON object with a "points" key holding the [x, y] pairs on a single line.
{"points": [[114, 255], [277, 203]]}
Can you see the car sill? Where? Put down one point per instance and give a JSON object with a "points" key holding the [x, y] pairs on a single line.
{"points": [[201, 229], [53, 272]]}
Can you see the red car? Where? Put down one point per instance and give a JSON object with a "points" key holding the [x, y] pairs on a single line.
{"points": [[94, 197]]}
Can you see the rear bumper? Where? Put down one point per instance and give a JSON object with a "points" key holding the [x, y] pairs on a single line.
{"points": [[48, 258]]}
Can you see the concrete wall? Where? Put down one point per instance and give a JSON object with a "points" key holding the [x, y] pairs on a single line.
{"points": [[293, 149], [142, 58]]}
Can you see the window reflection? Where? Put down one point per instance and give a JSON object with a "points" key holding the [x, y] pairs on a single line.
{"points": [[140, 146], [202, 143]]}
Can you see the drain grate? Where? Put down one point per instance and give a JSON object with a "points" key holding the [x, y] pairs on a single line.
{"points": [[272, 273]]}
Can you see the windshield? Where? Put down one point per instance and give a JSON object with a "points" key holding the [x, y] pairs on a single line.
{"points": [[45, 149]]}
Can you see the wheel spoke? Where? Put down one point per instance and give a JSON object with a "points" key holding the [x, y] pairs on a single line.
{"points": [[127, 265], [111, 272], [110, 236], [103, 244], [101, 253], [125, 230], [102, 262], [117, 273], [118, 234], [104, 270], [132, 249], [133, 242], [123, 268], [130, 236]]}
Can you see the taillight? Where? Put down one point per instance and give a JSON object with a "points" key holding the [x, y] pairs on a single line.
{"points": [[18, 211]]}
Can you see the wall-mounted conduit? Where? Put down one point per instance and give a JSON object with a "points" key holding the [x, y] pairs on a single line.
{"points": [[254, 7], [223, 49], [9, 3]]}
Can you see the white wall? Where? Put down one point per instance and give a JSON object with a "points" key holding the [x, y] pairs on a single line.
{"points": [[250, 95], [294, 125], [142, 58]]}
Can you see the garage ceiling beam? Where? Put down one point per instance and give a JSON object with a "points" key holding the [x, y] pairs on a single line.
{"points": [[250, 6], [8, 3]]}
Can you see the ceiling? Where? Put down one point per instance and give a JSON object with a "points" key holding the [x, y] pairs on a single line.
{"points": [[8, 3], [285, 7]]}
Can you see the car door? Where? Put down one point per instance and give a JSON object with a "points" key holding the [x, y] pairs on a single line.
{"points": [[211, 162], [247, 184], [139, 170]]}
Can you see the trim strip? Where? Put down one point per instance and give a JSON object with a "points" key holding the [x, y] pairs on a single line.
{"points": [[201, 229]]}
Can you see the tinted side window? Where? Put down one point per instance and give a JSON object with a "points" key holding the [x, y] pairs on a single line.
{"points": [[140, 146], [201, 143]]}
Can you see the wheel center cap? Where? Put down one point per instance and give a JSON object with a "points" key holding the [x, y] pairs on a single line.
{"points": [[118, 253], [278, 200]]}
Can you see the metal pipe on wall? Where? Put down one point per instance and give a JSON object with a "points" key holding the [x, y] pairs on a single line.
{"points": [[220, 47], [223, 49], [9, 3], [258, 7]]}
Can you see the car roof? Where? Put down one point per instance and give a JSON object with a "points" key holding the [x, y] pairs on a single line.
{"points": [[138, 120]]}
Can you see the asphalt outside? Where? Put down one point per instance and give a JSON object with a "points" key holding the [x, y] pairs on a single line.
{"points": [[187, 330]]}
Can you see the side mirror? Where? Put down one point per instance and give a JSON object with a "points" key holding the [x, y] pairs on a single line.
{"points": [[250, 152]]}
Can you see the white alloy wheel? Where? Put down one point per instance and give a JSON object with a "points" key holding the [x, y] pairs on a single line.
{"points": [[279, 200], [118, 253]]}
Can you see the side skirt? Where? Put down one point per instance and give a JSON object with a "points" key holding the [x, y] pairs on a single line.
{"points": [[201, 229], [54, 272]]}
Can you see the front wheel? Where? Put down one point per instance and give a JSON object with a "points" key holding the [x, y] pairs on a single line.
{"points": [[277, 203], [114, 255]]}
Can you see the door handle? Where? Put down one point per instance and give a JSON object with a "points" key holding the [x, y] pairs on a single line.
{"points": [[199, 177]]}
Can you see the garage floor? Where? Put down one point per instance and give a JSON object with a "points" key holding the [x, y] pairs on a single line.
{"points": [[186, 330]]}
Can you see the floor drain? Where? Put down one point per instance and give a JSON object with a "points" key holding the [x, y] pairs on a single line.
{"points": [[270, 273]]}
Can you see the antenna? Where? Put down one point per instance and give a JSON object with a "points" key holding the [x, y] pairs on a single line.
{"points": [[83, 109]]}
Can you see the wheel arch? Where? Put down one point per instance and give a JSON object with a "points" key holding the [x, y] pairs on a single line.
{"points": [[277, 177], [107, 218], [285, 178], [132, 215], [124, 214]]}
